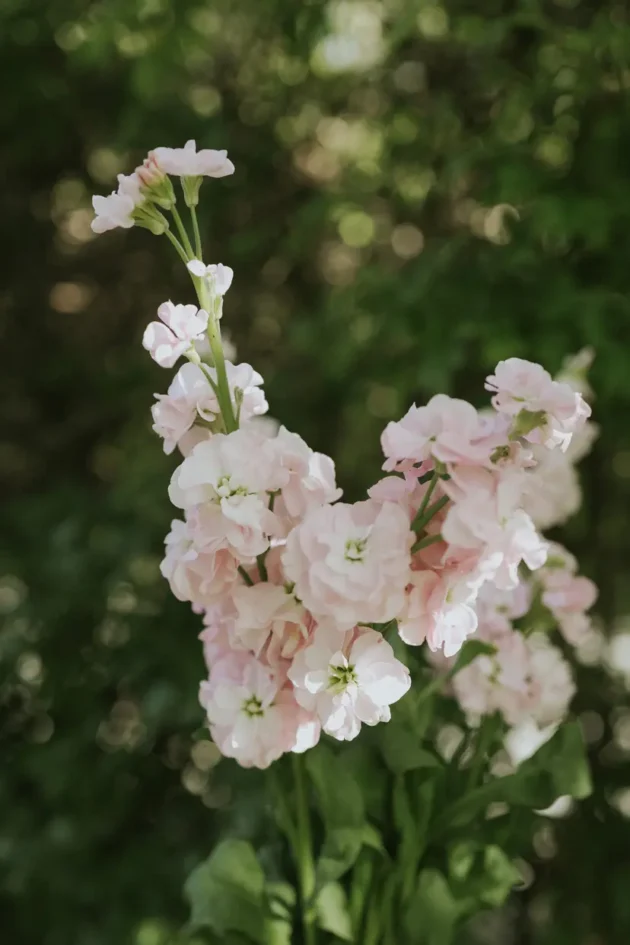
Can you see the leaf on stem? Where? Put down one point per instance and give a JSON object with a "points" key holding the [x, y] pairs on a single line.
{"points": [[226, 891]]}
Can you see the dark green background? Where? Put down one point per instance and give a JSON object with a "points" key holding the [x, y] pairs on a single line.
{"points": [[456, 109]]}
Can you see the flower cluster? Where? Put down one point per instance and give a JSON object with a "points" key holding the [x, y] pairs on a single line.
{"points": [[298, 590]]}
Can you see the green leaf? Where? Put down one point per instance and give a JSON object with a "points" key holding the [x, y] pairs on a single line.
{"points": [[559, 767], [402, 751], [338, 794], [432, 912], [340, 849], [332, 911], [281, 899], [226, 891]]}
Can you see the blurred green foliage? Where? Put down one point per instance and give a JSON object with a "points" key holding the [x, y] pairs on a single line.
{"points": [[422, 188]]}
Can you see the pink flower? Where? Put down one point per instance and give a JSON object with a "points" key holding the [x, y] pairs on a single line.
{"points": [[544, 410], [485, 516], [189, 396], [437, 611], [270, 622], [446, 430], [251, 718], [201, 577], [225, 483], [219, 276], [567, 595], [308, 478], [348, 679], [180, 326], [351, 562], [217, 635], [188, 162]]}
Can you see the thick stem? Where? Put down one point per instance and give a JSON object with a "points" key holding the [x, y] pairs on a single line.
{"points": [[303, 851]]}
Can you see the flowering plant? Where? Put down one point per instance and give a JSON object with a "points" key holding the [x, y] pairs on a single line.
{"points": [[434, 607]]}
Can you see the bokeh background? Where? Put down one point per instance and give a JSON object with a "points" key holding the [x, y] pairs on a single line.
{"points": [[422, 187]]}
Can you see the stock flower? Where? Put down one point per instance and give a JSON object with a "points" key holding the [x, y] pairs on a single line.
{"points": [[348, 679], [567, 595], [438, 611], [351, 562], [189, 396], [270, 621], [224, 483], [188, 162], [202, 577], [174, 335], [485, 516], [308, 478], [251, 718], [111, 212], [543, 410], [446, 430], [219, 275]]}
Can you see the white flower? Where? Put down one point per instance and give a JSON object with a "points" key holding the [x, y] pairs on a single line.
{"points": [[189, 396], [251, 718], [111, 212], [218, 275], [225, 483], [188, 162], [348, 679], [180, 326]]}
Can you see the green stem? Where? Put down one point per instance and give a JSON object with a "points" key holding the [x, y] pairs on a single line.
{"points": [[243, 573], [421, 520], [213, 308], [178, 246], [425, 542], [303, 851], [179, 223], [485, 735], [195, 223], [262, 567], [426, 498]]}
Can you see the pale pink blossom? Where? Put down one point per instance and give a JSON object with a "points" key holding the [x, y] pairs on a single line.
{"points": [[308, 478], [351, 562], [199, 576], [251, 718], [188, 162], [218, 636], [526, 678], [438, 610], [270, 621], [447, 430], [348, 679], [225, 483], [567, 595], [219, 276], [174, 335], [485, 516], [189, 396], [497, 608], [544, 410]]}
